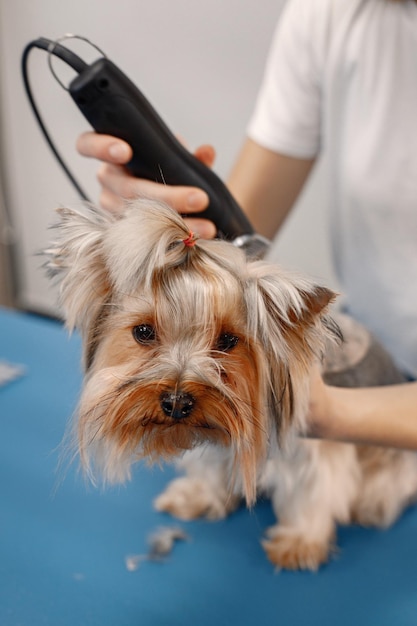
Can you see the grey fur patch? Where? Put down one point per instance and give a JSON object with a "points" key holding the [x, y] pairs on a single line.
{"points": [[360, 361]]}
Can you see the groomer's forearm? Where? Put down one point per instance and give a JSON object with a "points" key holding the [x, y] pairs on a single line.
{"points": [[266, 185], [384, 416]]}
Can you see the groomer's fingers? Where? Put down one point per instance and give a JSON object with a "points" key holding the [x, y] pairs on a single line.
{"points": [[114, 203], [110, 201], [206, 154], [204, 228], [113, 150], [104, 148], [183, 199], [119, 185]]}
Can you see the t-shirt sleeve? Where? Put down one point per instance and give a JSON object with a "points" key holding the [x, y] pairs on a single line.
{"points": [[287, 112]]}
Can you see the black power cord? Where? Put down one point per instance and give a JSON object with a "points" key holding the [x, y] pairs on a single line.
{"points": [[79, 66]]}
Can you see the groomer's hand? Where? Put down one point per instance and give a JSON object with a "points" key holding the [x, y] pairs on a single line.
{"points": [[118, 185]]}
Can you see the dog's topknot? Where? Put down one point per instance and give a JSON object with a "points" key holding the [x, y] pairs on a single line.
{"points": [[150, 236], [96, 253]]}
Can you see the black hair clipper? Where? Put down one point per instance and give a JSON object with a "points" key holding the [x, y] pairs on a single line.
{"points": [[114, 105]]}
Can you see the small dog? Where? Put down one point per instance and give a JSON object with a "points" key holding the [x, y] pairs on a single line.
{"points": [[194, 352]]}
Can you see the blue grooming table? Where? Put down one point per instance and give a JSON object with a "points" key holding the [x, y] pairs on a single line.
{"points": [[63, 543]]}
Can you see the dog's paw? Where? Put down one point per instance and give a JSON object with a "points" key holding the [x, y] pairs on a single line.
{"points": [[191, 498], [293, 551]]}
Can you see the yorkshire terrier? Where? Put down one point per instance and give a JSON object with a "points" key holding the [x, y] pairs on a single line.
{"points": [[195, 353]]}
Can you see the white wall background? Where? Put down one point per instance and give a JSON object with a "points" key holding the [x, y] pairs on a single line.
{"points": [[199, 63]]}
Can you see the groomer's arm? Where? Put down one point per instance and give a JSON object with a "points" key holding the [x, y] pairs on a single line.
{"points": [[266, 184], [384, 416]]}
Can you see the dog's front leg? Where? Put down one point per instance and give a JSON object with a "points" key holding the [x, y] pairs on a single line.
{"points": [[311, 489], [205, 490]]}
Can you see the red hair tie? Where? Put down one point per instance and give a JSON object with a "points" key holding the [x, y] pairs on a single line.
{"points": [[189, 241]]}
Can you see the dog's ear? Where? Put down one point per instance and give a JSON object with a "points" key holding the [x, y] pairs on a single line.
{"points": [[287, 315], [75, 259]]}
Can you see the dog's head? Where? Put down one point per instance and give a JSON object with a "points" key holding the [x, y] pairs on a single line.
{"points": [[186, 341]]}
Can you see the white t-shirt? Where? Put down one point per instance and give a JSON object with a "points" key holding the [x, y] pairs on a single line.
{"points": [[342, 78]]}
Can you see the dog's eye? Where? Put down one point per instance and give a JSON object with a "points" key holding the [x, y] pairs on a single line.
{"points": [[226, 342], [144, 333]]}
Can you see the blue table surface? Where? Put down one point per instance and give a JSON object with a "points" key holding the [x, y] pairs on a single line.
{"points": [[64, 543]]}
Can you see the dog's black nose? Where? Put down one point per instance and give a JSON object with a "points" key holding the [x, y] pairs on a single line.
{"points": [[177, 405]]}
